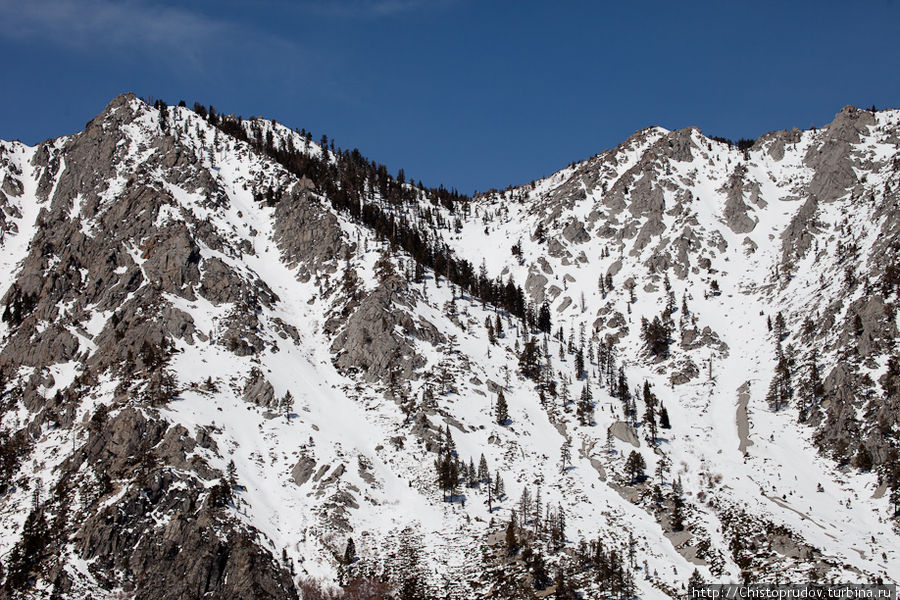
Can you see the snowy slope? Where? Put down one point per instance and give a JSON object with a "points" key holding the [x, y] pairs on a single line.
{"points": [[779, 475], [650, 214]]}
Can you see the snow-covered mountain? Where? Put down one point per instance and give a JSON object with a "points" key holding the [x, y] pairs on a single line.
{"points": [[227, 350]]}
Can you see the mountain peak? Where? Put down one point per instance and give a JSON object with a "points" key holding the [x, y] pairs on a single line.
{"points": [[230, 354]]}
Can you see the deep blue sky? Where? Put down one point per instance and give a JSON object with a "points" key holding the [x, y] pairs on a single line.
{"points": [[472, 94]]}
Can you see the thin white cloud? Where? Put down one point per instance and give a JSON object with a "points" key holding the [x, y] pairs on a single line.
{"points": [[186, 40], [373, 8], [92, 23]]}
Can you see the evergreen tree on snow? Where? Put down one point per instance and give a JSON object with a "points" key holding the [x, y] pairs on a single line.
{"points": [[565, 456], [501, 410], [585, 411], [664, 418], [694, 582], [634, 466], [483, 473], [349, 552], [287, 405]]}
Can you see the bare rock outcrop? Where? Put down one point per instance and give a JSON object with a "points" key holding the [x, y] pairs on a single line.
{"points": [[535, 284], [258, 390], [303, 470], [831, 158], [736, 211], [797, 237], [575, 232], [376, 338], [307, 235], [624, 432]]}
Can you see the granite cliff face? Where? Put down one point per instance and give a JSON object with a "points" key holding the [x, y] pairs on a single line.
{"points": [[214, 372]]}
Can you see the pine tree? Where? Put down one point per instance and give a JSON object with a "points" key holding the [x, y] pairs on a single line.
{"points": [[694, 582], [634, 466], [677, 515], [408, 568], [561, 524], [631, 409], [650, 420], [501, 410], [349, 552], [448, 472], [579, 364], [36, 499], [543, 321], [565, 456], [27, 553], [529, 360], [483, 473], [231, 473], [811, 389], [163, 116], [449, 444], [670, 306], [779, 327], [512, 544], [585, 411], [664, 418], [662, 467], [650, 402], [656, 335], [622, 385], [287, 405], [608, 445], [780, 390], [540, 577], [556, 526], [564, 394], [525, 505]]}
